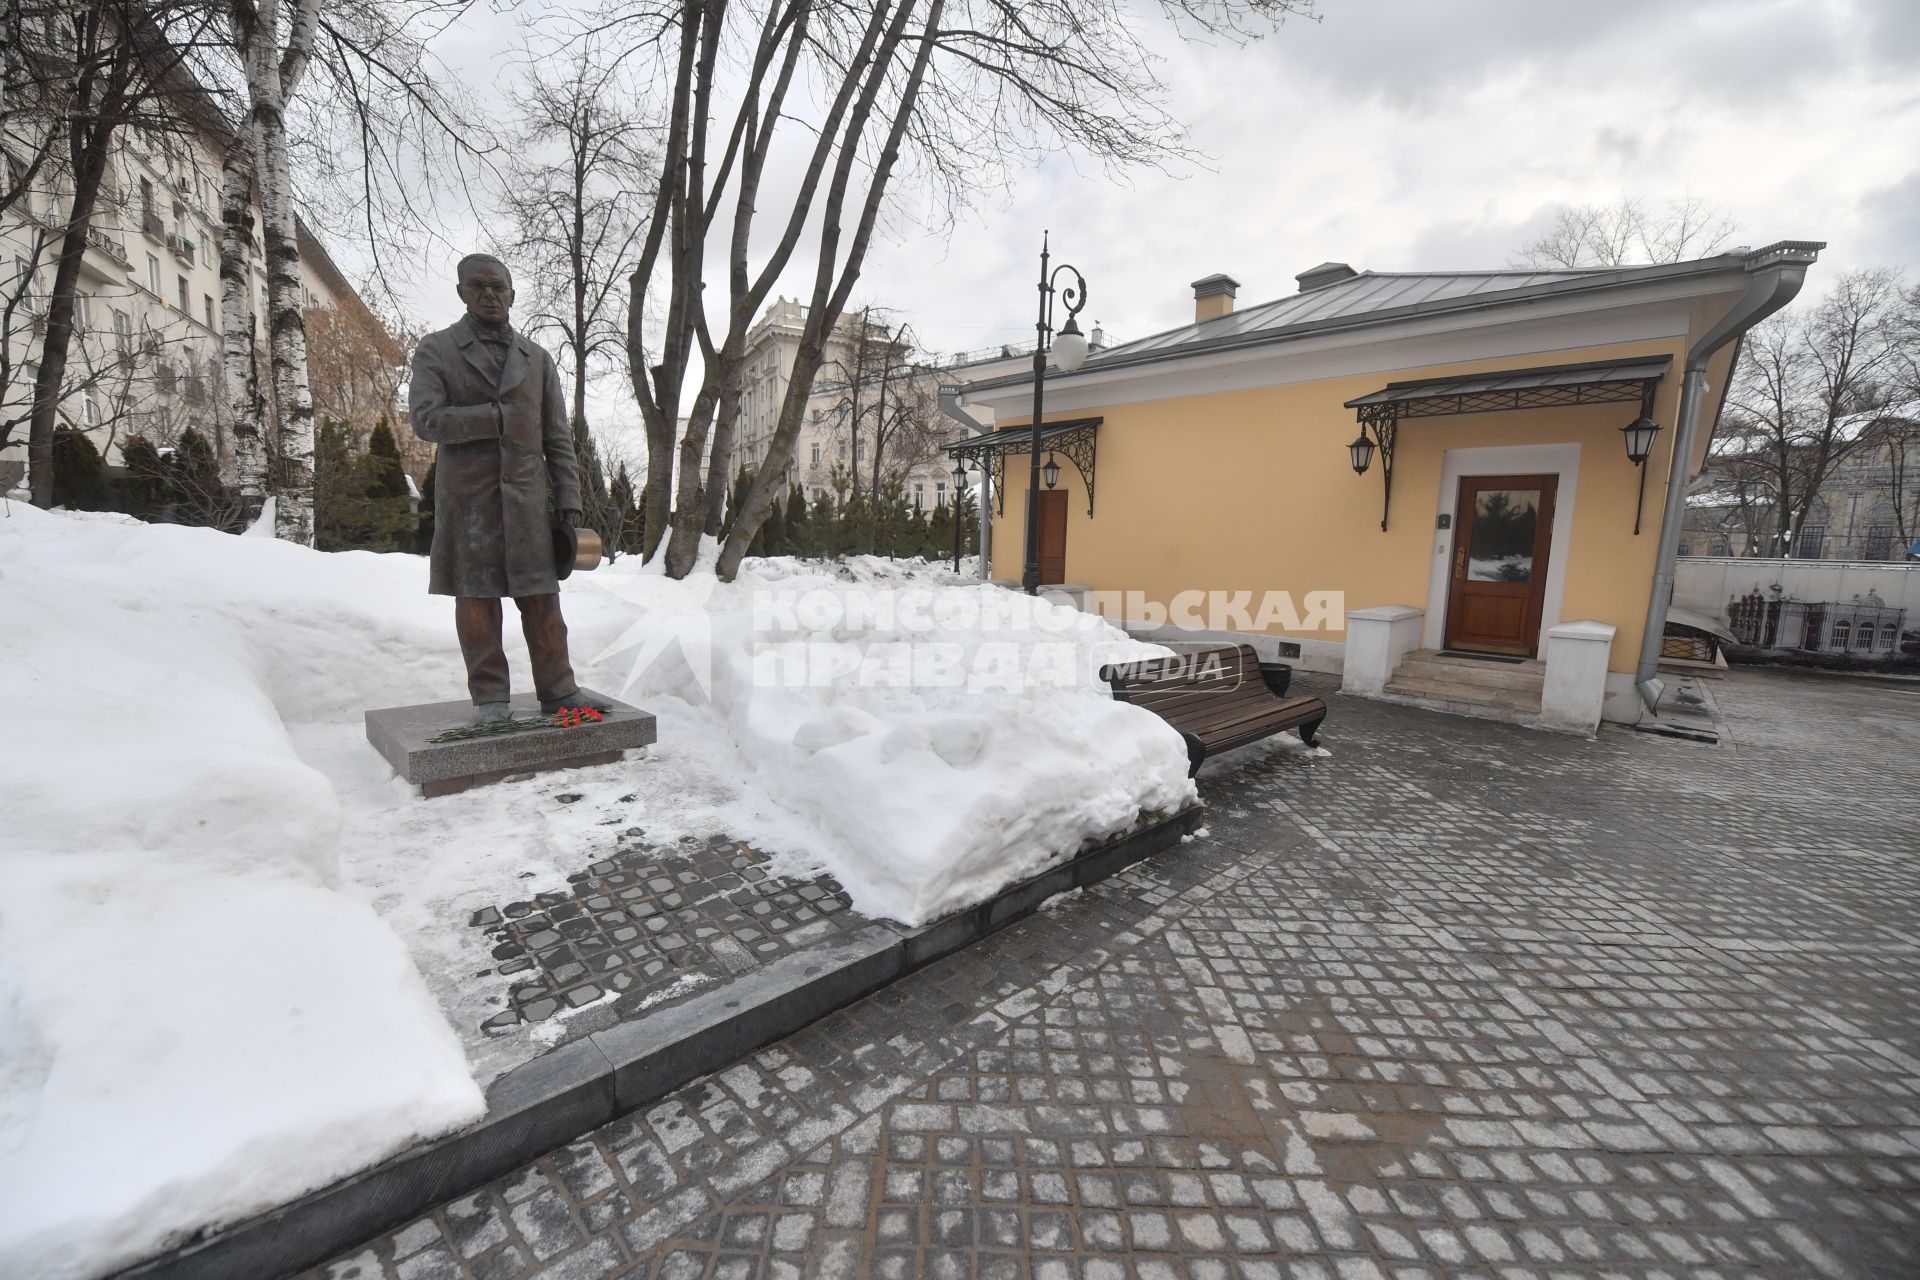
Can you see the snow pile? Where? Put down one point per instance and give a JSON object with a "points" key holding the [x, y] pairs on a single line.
{"points": [[237, 963], [195, 1022], [941, 741]]}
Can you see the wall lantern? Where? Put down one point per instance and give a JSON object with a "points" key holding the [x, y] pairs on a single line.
{"points": [[1379, 429], [1051, 472], [1638, 436], [959, 477], [1361, 451]]}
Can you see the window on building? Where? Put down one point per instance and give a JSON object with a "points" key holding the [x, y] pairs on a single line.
{"points": [[1813, 540], [1888, 633], [816, 453], [82, 313], [1863, 636], [123, 330], [1686, 548], [919, 495], [206, 302], [186, 299], [153, 275], [843, 451], [1842, 632], [1879, 543], [89, 410], [23, 278], [1721, 547], [146, 198], [939, 493]]}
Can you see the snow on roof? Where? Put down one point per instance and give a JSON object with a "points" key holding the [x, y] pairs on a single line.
{"points": [[1853, 424]]}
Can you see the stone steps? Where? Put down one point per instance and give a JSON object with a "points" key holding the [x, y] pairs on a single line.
{"points": [[1466, 685]]}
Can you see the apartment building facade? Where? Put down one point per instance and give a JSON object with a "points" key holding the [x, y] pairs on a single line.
{"points": [[145, 355]]}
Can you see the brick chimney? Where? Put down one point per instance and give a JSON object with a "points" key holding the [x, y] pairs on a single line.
{"points": [[1213, 297]]}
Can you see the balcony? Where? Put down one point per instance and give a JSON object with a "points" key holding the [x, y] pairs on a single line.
{"points": [[154, 228], [182, 247], [105, 258]]}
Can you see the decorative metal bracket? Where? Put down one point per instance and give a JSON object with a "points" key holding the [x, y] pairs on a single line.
{"points": [[1384, 419], [1077, 440]]}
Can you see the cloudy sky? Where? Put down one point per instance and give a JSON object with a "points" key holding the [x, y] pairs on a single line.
{"points": [[1416, 134]]}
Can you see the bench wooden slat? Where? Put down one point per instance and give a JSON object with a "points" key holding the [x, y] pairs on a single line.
{"points": [[1216, 698], [1287, 714]]}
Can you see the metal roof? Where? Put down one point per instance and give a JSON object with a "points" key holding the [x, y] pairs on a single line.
{"points": [[1381, 297], [1366, 292]]}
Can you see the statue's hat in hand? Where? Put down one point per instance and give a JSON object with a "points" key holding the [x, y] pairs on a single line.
{"points": [[575, 549]]}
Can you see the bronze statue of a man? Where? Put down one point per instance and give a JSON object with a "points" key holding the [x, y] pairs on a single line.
{"points": [[492, 401]]}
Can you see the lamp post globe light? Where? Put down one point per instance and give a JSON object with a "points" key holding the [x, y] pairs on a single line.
{"points": [[1069, 350]]}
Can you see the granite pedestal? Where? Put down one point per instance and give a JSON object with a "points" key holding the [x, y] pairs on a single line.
{"points": [[404, 735]]}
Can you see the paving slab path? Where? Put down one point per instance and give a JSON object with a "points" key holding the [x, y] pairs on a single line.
{"points": [[1463, 999]]}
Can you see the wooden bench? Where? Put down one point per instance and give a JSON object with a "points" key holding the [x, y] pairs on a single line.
{"points": [[1217, 698]]}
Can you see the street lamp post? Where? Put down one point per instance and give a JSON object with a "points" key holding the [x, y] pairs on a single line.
{"points": [[953, 507], [1069, 349]]}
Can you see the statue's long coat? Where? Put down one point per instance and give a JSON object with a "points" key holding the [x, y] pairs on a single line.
{"points": [[500, 450]]}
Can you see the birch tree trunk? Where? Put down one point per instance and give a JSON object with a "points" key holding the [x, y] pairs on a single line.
{"points": [[273, 76], [242, 410]]}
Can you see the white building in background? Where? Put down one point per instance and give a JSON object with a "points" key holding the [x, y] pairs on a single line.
{"points": [[145, 355], [827, 442]]}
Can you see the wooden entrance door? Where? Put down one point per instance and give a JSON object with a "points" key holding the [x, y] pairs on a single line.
{"points": [[1503, 529], [1053, 536]]}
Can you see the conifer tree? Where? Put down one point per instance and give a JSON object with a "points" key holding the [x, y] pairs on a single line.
{"points": [[143, 491], [775, 529], [423, 531], [799, 530]]}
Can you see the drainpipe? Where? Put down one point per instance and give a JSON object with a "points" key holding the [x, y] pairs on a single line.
{"points": [[1774, 275], [950, 405]]}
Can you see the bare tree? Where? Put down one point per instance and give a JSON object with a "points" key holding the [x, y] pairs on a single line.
{"points": [[273, 41], [577, 191], [1803, 393], [959, 95], [356, 366], [1628, 231], [887, 398], [380, 115]]}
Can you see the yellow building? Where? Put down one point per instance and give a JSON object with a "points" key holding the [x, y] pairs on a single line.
{"points": [[1486, 559]]}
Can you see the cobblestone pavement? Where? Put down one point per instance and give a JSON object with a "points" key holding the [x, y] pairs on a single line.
{"points": [[649, 921], [1461, 1000]]}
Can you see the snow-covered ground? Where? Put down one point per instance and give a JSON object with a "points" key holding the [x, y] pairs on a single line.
{"points": [[234, 960]]}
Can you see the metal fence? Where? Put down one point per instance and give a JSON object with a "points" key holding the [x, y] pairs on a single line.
{"points": [[1862, 630]]}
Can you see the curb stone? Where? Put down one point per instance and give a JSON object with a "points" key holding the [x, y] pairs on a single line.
{"points": [[555, 1098]]}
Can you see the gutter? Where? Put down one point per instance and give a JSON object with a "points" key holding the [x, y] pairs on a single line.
{"points": [[1774, 277], [950, 405]]}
